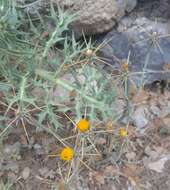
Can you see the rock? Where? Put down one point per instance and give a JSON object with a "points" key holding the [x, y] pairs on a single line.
{"points": [[50, 175], [158, 165], [96, 16], [38, 149], [155, 9], [165, 105], [46, 173], [155, 110], [60, 94], [12, 151], [7, 149], [131, 156], [92, 16], [43, 171], [140, 118], [130, 5], [26, 173], [148, 45], [154, 152]]}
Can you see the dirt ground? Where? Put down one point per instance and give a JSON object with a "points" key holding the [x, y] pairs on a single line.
{"points": [[144, 162]]}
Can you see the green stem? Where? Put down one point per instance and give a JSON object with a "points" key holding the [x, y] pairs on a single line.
{"points": [[67, 86], [49, 43]]}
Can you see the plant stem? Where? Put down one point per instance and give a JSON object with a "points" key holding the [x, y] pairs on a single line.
{"points": [[67, 86]]}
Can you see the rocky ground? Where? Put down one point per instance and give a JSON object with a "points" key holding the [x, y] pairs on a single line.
{"points": [[142, 38], [142, 163]]}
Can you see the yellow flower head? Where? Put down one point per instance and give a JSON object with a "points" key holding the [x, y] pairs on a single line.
{"points": [[83, 125], [67, 154], [125, 66], [123, 132]]}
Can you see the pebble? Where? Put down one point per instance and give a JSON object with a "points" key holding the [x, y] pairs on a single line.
{"points": [[26, 173]]}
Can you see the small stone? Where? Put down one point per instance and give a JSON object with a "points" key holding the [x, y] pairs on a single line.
{"points": [[26, 173], [139, 117], [60, 94], [158, 166], [37, 146], [8, 149], [131, 156], [38, 149], [50, 175], [155, 110], [43, 171]]}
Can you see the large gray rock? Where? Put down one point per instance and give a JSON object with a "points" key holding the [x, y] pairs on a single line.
{"points": [[148, 43], [154, 9], [93, 16], [96, 16]]}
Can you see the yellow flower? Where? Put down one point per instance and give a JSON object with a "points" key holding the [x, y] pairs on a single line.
{"points": [[83, 125], [125, 66], [67, 154], [123, 132]]}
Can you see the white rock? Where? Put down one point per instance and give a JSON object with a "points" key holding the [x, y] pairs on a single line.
{"points": [[26, 173], [139, 117], [158, 165]]}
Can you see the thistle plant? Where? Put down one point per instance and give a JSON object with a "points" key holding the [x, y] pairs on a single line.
{"points": [[30, 60], [34, 63], [6, 186]]}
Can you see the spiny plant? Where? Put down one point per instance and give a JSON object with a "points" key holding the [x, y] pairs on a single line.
{"points": [[35, 63], [33, 57], [6, 186]]}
